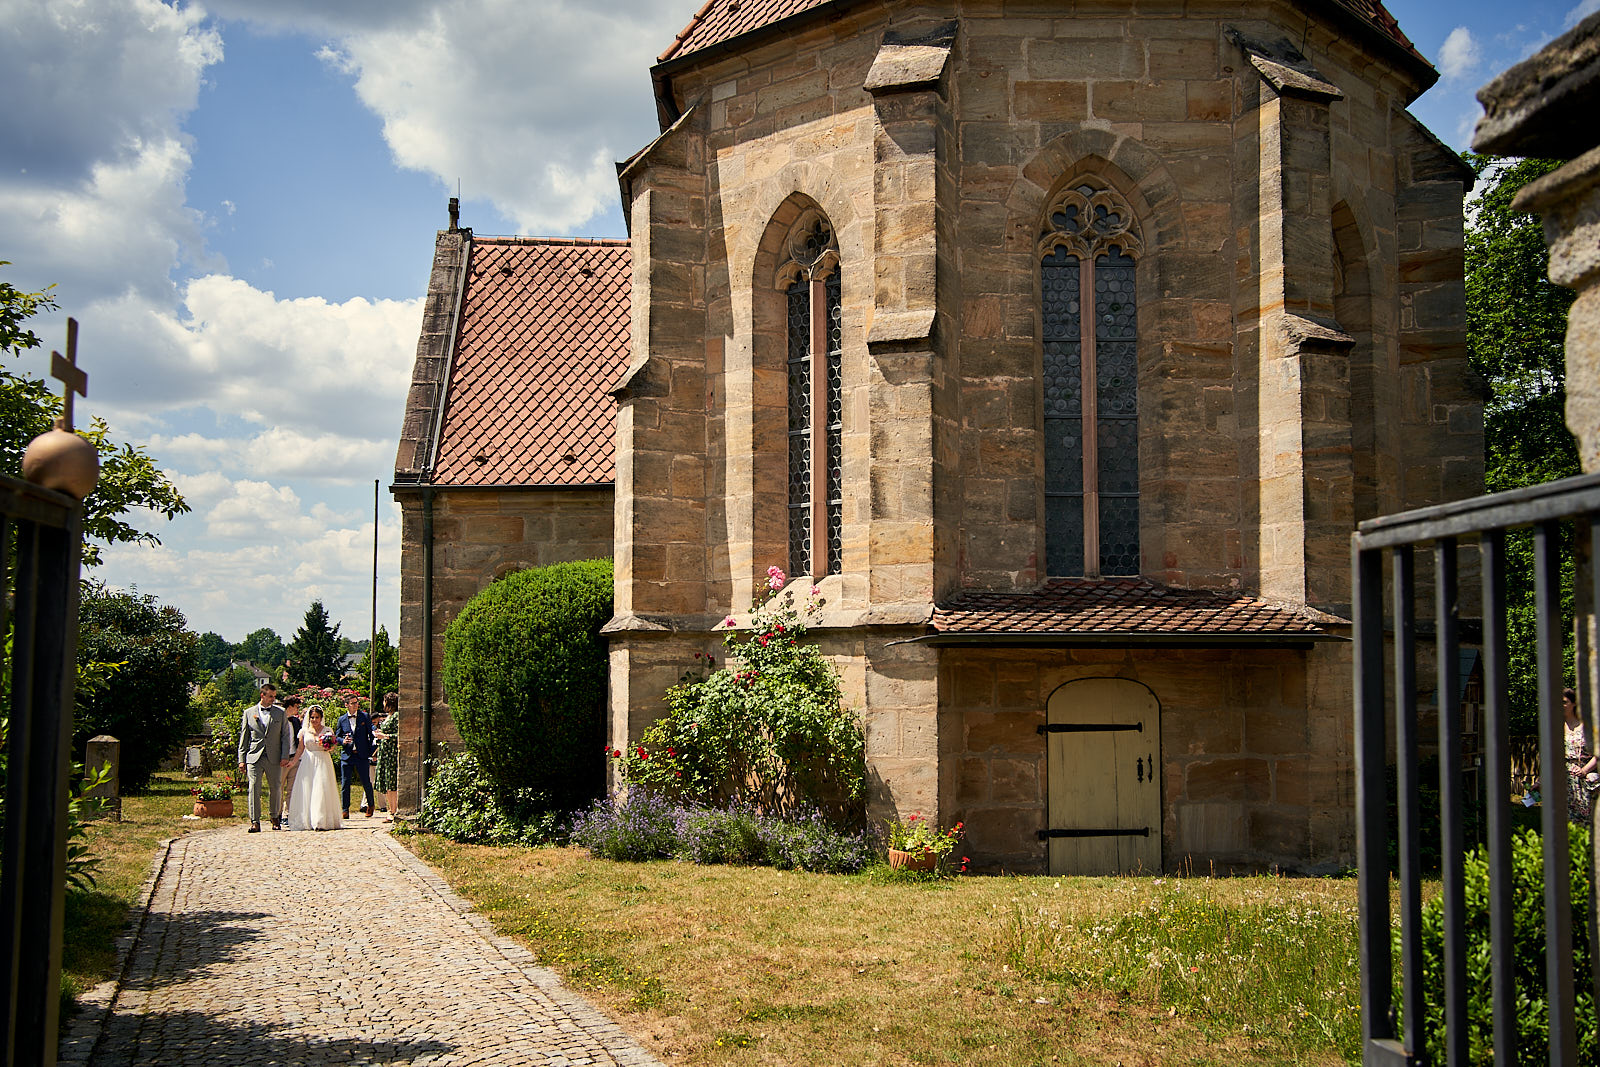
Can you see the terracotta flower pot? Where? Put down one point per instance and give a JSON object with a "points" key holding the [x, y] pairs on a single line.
{"points": [[214, 809], [925, 860]]}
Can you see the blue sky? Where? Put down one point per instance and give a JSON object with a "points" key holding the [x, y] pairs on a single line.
{"points": [[238, 201]]}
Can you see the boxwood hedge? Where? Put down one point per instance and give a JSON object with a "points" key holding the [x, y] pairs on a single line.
{"points": [[525, 675]]}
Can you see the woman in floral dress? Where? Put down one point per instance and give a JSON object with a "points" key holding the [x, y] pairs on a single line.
{"points": [[389, 755], [1581, 762]]}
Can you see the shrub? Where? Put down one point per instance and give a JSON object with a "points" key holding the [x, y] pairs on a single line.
{"points": [[712, 835], [146, 706], [809, 843], [1528, 964], [641, 826], [525, 670], [463, 805], [766, 731], [647, 826]]}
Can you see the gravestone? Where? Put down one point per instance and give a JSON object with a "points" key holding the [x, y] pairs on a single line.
{"points": [[103, 751]]}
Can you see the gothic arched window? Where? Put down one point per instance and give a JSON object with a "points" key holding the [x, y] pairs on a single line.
{"points": [[1087, 253], [810, 278]]}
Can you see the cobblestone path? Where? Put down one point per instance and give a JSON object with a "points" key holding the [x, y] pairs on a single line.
{"points": [[330, 948]]}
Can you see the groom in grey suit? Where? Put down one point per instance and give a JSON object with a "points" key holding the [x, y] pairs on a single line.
{"points": [[265, 747]]}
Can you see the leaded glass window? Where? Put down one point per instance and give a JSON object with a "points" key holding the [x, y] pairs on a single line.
{"points": [[1091, 418], [816, 400], [800, 427]]}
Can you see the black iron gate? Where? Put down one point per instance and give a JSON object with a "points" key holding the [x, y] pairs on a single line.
{"points": [[41, 545], [1485, 519]]}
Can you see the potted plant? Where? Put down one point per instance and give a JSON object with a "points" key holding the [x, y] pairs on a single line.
{"points": [[915, 844], [213, 800]]}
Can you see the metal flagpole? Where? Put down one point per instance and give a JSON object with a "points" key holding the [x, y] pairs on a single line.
{"points": [[372, 645]]}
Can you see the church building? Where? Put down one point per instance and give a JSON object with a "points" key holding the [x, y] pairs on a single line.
{"points": [[1060, 345]]}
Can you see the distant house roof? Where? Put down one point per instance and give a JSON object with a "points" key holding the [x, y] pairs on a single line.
{"points": [[1123, 610], [543, 333], [720, 21]]}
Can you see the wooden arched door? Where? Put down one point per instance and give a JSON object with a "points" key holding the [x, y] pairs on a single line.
{"points": [[1102, 754]]}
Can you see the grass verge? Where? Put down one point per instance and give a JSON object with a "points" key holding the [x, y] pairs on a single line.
{"points": [[735, 965]]}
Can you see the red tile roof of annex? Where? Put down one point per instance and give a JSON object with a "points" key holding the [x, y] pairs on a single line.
{"points": [[543, 335], [718, 21], [1066, 606]]}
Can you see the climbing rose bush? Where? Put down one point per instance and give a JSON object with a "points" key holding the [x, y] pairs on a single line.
{"points": [[766, 731]]}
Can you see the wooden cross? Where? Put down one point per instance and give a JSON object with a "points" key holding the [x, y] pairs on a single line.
{"points": [[66, 370]]}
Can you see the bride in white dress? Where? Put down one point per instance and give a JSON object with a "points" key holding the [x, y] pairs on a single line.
{"points": [[315, 803]]}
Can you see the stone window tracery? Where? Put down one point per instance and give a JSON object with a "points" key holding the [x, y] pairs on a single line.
{"points": [[1088, 251], [810, 280]]}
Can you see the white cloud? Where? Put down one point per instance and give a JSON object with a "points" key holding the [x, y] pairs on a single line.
{"points": [[306, 365], [1460, 55], [262, 557], [1580, 12], [271, 414], [528, 102], [87, 81], [283, 452]]}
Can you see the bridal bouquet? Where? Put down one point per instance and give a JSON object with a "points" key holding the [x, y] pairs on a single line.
{"points": [[327, 743]]}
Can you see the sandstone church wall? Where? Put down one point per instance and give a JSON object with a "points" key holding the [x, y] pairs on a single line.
{"points": [[1252, 776], [1300, 366]]}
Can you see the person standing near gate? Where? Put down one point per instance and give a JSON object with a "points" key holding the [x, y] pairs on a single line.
{"points": [[264, 748]]}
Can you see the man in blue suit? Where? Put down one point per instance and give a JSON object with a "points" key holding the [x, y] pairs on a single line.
{"points": [[355, 736]]}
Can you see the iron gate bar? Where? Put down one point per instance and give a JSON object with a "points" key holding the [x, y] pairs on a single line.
{"points": [[1498, 755], [1088, 727], [1408, 792], [1452, 854], [1544, 508], [1372, 832], [1497, 511], [1588, 710], [1143, 831], [1557, 867], [44, 616]]}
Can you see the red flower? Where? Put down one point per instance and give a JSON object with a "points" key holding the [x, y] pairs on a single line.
{"points": [[670, 752]]}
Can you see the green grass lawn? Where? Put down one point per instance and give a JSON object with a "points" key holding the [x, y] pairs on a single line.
{"points": [[723, 965]]}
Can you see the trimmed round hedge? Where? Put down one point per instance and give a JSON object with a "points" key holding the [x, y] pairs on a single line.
{"points": [[525, 673]]}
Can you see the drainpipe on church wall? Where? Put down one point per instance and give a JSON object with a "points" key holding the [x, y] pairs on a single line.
{"points": [[427, 643]]}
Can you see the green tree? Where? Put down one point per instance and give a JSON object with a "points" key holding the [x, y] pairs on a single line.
{"points": [[314, 653], [130, 483], [388, 662], [146, 706], [214, 654], [237, 687], [262, 647], [1516, 327]]}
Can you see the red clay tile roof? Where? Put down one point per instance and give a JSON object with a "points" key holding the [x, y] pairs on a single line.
{"points": [[1107, 606], [543, 335], [723, 20]]}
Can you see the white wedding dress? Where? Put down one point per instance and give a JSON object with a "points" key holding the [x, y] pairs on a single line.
{"points": [[315, 803]]}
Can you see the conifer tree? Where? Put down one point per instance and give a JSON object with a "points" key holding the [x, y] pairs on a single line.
{"points": [[314, 652]]}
